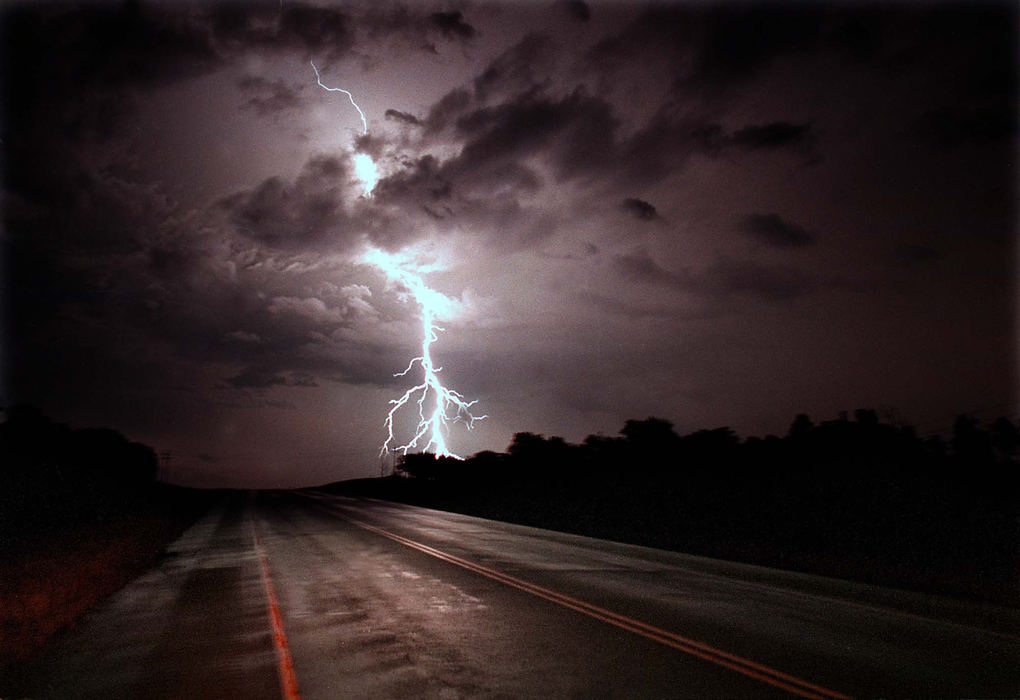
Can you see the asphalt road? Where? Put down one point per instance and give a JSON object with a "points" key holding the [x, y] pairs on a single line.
{"points": [[289, 595]]}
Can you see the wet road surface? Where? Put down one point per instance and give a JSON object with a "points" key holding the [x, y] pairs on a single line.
{"points": [[278, 594]]}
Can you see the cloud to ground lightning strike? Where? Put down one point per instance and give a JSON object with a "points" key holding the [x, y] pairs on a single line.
{"points": [[318, 78], [364, 167], [446, 404]]}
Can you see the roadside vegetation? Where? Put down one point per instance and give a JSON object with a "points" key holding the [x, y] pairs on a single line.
{"points": [[81, 514], [853, 498]]}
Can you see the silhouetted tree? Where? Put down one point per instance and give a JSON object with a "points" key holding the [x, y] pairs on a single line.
{"points": [[935, 446], [651, 443], [426, 465], [711, 444], [1006, 439], [486, 466], [50, 473], [526, 445], [866, 417], [971, 444], [650, 432], [107, 454], [802, 425]]}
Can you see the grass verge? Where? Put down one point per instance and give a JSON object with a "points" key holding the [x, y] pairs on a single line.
{"points": [[53, 576]]}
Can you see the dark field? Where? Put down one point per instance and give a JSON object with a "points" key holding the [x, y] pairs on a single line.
{"points": [[53, 576]]}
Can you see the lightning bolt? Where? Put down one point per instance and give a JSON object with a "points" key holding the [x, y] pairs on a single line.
{"points": [[446, 404], [364, 167], [318, 79]]}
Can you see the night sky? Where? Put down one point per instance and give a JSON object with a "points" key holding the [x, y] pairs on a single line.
{"points": [[716, 214]]}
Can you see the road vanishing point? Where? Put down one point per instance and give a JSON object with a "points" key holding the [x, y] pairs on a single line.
{"points": [[304, 594]]}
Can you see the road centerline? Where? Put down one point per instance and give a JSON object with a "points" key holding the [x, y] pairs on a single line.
{"points": [[735, 663], [285, 664]]}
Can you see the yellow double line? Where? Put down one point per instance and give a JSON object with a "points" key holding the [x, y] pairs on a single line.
{"points": [[749, 668]]}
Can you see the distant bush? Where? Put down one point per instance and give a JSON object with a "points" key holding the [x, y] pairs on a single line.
{"points": [[51, 474]]}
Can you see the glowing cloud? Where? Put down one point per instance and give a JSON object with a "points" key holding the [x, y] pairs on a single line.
{"points": [[437, 405], [364, 166], [366, 172]]}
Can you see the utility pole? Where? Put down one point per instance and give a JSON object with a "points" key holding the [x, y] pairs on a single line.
{"points": [[163, 464]]}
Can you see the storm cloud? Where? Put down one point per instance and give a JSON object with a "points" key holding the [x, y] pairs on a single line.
{"points": [[686, 191], [773, 230]]}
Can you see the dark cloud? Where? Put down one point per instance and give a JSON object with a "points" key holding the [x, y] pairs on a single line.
{"points": [[640, 209], [294, 215], [421, 179], [127, 45], [496, 137], [452, 24], [92, 210], [647, 308], [264, 377], [275, 315], [857, 37], [404, 117], [773, 135], [718, 48], [773, 230], [773, 283], [256, 377], [672, 30], [270, 97], [104, 57], [721, 280], [662, 147], [313, 28], [737, 44], [371, 144], [446, 110], [303, 379], [480, 194], [910, 254], [80, 68], [712, 47], [320, 31], [966, 125], [577, 9], [709, 138], [522, 67], [563, 129], [638, 266]]}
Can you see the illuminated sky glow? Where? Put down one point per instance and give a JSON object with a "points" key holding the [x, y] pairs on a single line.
{"points": [[366, 172], [437, 404], [719, 214]]}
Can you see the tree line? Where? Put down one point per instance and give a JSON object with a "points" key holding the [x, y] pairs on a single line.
{"points": [[51, 474], [854, 497], [651, 447]]}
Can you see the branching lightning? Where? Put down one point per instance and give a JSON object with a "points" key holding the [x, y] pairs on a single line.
{"points": [[318, 78], [364, 166], [438, 405], [446, 404]]}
